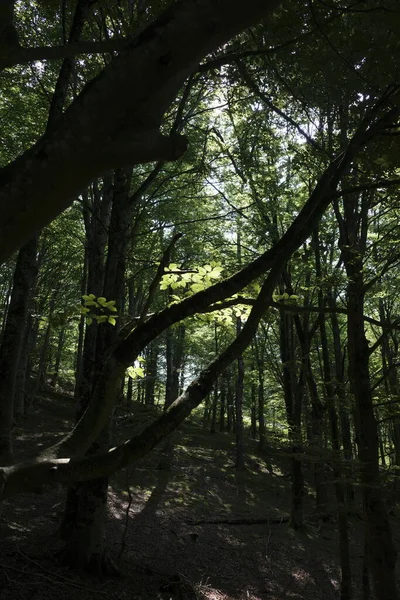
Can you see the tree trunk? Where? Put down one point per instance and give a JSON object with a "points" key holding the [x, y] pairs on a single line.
{"points": [[382, 554], [240, 460], [343, 528], [253, 409], [7, 297], [222, 405], [84, 517], [261, 409], [214, 407], [293, 412], [344, 401], [20, 384], [10, 348], [57, 362], [81, 326], [174, 355], [259, 354], [44, 351], [151, 373], [317, 415]]}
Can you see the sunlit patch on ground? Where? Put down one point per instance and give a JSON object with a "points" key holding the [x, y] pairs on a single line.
{"points": [[158, 535]]}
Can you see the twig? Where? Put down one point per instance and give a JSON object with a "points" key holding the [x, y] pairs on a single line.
{"points": [[157, 278], [226, 521]]}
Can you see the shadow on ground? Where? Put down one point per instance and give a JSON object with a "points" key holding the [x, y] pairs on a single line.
{"points": [[189, 523]]}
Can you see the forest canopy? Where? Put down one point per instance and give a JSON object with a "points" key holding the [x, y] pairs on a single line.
{"points": [[199, 206]]}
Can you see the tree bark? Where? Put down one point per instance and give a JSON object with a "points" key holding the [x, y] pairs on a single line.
{"points": [[10, 348], [84, 518], [240, 459], [57, 362], [340, 488], [382, 553]]}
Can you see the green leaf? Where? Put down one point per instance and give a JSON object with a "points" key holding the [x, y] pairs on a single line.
{"points": [[112, 320], [135, 372], [215, 273]]}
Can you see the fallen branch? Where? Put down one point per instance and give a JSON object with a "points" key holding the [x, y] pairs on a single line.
{"points": [[239, 521]]}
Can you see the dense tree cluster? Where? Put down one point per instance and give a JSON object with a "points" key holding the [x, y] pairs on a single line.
{"points": [[199, 207]]}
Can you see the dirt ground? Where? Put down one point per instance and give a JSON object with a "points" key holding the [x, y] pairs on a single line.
{"points": [[183, 532]]}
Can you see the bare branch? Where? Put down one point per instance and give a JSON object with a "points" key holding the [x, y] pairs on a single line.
{"points": [[19, 55]]}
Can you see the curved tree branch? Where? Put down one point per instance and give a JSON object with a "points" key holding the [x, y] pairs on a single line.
{"points": [[47, 470], [115, 120], [127, 350]]}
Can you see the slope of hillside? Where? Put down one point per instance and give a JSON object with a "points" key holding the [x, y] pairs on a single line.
{"points": [[183, 524]]}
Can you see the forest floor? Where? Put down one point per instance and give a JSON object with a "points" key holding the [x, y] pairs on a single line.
{"points": [[189, 532]]}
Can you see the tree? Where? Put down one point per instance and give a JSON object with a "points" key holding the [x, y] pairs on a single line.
{"points": [[115, 121], [119, 121]]}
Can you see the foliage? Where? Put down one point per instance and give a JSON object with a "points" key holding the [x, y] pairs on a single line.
{"points": [[98, 309]]}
